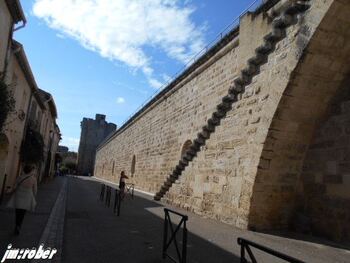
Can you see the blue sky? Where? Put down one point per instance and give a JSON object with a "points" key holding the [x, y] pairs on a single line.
{"points": [[110, 56]]}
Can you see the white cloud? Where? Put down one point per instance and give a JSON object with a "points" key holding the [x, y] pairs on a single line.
{"points": [[120, 100], [70, 142], [60, 36], [166, 77], [121, 29], [155, 83]]}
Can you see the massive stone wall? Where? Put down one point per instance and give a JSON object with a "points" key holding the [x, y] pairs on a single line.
{"points": [[248, 171]]}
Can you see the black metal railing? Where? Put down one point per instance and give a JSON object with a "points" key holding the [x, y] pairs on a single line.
{"points": [[108, 195], [181, 256], [3, 189], [246, 247], [130, 188], [102, 193], [117, 202]]}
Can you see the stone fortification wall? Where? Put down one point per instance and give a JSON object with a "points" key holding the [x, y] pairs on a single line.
{"points": [[248, 171]]}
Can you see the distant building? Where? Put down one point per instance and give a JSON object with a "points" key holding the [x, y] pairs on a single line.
{"points": [[93, 132], [62, 149]]}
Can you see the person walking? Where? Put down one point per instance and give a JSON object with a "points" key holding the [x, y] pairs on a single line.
{"points": [[23, 197], [122, 184]]}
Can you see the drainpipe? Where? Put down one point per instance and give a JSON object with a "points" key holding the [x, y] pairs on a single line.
{"points": [[9, 40], [24, 22]]}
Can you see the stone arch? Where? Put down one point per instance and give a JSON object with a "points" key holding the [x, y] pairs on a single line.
{"points": [[322, 194], [4, 148], [133, 165], [305, 104], [185, 147], [113, 166]]}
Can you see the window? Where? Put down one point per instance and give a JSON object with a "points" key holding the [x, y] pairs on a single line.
{"points": [[133, 164], [185, 147]]}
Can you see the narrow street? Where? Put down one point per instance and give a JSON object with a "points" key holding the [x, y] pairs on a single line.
{"points": [[93, 233]]}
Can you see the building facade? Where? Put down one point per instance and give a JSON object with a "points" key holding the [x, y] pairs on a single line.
{"points": [[11, 14], [93, 132], [30, 109], [50, 132], [277, 158], [62, 149]]}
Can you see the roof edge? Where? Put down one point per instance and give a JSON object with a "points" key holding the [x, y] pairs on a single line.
{"points": [[16, 11], [25, 67]]}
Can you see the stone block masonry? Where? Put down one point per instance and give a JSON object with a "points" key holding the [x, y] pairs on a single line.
{"points": [[249, 171]]}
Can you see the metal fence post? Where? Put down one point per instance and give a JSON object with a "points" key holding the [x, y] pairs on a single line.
{"points": [[165, 233], [3, 188], [117, 202], [246, 247], [102, 193], [108, 199], [181, 256], [184, 243], [243, 260], [108, 196]]}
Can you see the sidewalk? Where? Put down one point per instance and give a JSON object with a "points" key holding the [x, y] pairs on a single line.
{"points": [[34, 222], [94, 234]]}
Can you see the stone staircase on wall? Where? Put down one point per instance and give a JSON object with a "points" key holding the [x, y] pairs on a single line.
{"points": [[279, 26]]}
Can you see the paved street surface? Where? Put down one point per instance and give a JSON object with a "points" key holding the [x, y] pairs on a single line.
{"points": [[33, 224], [92, 233]]}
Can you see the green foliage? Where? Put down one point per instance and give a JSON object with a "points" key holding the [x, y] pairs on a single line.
{"points": [[68, 162], [70, 165], [7, 102], [64, 170], [32, 150]]}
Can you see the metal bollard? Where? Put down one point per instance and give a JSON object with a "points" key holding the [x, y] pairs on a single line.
{"points": [[3, 189], [117, 202], [102, 193], [108, 195]]}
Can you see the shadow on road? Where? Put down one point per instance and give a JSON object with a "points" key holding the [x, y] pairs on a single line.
{"points": [[94, 234]]}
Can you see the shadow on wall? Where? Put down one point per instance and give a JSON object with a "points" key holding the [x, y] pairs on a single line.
{"points": [[303, 178], [323, 199]]}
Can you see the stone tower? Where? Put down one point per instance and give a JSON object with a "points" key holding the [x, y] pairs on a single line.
{"points": [[93, 132]]}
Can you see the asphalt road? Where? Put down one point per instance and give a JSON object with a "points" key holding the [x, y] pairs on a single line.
{"points": [[91, 232], [94, 234]]}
